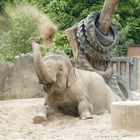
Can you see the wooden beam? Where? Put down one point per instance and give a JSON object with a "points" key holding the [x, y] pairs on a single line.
{"points": [[106, 15], [71, 36]]}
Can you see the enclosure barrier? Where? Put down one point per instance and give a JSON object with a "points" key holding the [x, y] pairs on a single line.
{"points": [[129, 70]]}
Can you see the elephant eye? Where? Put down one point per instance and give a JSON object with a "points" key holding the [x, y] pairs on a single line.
{"points": [[60, 68]]}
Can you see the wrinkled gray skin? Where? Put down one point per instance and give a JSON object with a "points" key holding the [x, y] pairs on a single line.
{"points": [[69, 90]]}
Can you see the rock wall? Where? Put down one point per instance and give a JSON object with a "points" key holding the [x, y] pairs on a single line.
{"points": [[19, 80]]}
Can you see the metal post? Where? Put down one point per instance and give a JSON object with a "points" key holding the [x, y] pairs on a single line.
{"points": [[135, 73], [127, 72]]}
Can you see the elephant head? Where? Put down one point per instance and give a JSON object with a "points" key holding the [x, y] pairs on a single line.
{"points": [[54, 71]]}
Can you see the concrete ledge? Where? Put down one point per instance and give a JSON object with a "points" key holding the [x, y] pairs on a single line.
{"points": [[126, 115]]}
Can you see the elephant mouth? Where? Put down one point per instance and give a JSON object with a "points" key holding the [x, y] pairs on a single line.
{"points": [[49, 88]]}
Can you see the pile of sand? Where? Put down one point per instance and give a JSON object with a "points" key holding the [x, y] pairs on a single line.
{"points": [[16, 124]]}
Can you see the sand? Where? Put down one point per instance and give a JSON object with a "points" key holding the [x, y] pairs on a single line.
{"points": [[16, 124]]}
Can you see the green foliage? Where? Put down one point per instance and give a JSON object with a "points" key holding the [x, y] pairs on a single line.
{"points": [[124, 42], [15, 40], [23, 26], [61, 43], [127, 20]]}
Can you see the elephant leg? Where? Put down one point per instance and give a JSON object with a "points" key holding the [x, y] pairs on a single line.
{"points": [[85, 110], [42, 114]]}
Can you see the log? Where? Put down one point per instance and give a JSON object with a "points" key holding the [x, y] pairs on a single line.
{"points": [[126, 115], [106, 15]]}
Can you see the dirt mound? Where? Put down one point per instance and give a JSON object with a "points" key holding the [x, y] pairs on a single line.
{"points": [[16, 123]]}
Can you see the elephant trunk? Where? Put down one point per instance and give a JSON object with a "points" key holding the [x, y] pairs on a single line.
{"points": [[39, 65]]}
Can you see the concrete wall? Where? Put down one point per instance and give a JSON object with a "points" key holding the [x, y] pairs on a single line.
{"points": [[19, 80], [133, 51]]}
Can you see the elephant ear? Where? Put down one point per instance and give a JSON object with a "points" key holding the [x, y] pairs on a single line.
{"points": [[71, 75]]}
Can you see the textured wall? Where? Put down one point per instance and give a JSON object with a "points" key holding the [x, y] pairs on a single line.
{"points": [[19, 80], [133, 51]]}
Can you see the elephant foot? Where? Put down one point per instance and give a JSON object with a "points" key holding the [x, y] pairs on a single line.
{"points": [[86, 116]]}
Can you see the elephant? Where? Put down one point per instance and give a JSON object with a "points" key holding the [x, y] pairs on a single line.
{"points": [[69, 90]]}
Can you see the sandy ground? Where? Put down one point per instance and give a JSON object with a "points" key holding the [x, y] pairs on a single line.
{"points": [[16, 124]]}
